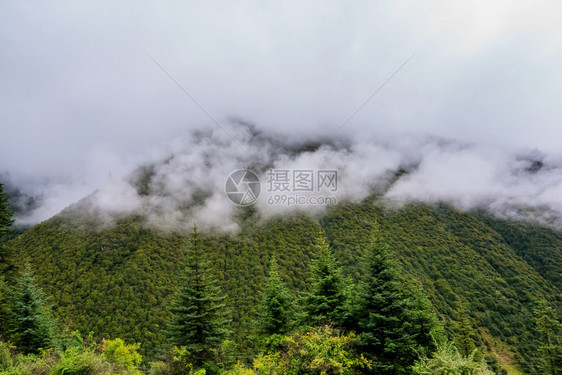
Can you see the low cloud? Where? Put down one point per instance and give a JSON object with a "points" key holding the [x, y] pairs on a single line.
{"points": [[83, 104], [188, 185]]}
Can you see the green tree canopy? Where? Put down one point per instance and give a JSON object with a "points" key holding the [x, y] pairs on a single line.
{"points": [[5, 214], [464, 331], [33, 323], [276, 311], [550, 329], [200, 318], [325, 302], [5, 312], [5, 224], [323, 350], [391, 323]]}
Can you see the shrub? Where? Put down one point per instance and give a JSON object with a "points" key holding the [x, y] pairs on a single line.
{"points": [[5, 356], [77, 362], [122, 355], [447, 360]]}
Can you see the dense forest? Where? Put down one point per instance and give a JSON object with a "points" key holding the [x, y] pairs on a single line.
{"points": [[359, 289]]}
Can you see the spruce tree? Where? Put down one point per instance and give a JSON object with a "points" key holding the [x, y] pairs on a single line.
{"points": [[381, 313], [550, 330], [200, 317], [33, 324], [326, 300], [276, 311]]}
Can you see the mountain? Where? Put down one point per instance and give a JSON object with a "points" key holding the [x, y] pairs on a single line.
{"points": [[117, 279]]}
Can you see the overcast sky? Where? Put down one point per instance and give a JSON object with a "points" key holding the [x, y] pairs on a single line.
{"points": [[81, 100]]}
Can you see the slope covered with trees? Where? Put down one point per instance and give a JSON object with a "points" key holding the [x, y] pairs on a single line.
{"points": [[119, 280]]}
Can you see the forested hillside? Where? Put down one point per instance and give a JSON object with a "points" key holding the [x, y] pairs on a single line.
{"points": [[479, 272]]}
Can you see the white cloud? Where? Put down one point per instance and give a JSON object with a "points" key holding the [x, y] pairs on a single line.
{"points": [[83, 103]]}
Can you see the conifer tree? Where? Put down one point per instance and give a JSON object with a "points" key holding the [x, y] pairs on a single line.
{"points": [[550, 329], [381, 308], [384, 313], [325, 302], [33, 324], [5, 214], [464, 332], [276, 311], [422, 323], [5, 312], [5, 224], [200, 318]]}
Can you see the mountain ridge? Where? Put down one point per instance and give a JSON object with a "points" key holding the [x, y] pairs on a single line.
{"points": [[118, 279]]}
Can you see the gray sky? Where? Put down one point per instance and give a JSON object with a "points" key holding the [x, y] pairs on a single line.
{"points": [[81, 101]]}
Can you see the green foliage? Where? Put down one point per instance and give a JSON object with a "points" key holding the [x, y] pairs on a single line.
{"points": [[123, 355], [182, 362], [31, 364], [422, 323], [6, 317], [33, 324], [118, 279], [5, 356], [80, 357], [322, 350], [5, 214], [325, 302], [392, 329], [179, 362], [199, 324], [5, 224], [464, 332], [539, 246], [116, 282], [550, 329], [460, 258], [75, 361], [159, 368], [75, 339], [447, 360], [239, 369], [276, 312]]}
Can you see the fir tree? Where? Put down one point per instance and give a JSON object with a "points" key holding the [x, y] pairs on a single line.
{"points": [[550, 329], [326, 300], [381, 313], [200, 318], [423, 325], [33, 324], [276, 310], [464, 332]]}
